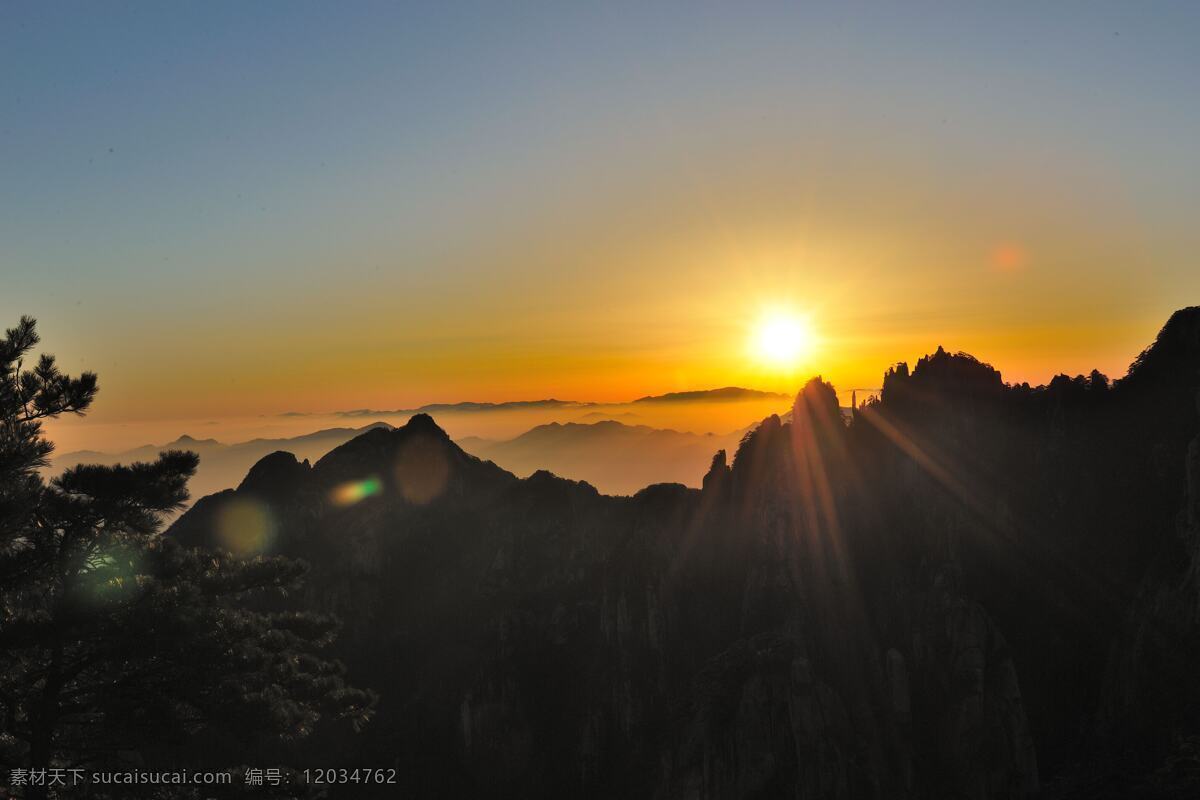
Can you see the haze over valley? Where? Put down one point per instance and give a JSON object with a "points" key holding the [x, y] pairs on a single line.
{"points": [[614, 446]]}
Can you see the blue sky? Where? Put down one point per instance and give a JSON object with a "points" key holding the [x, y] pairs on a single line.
{"points": [[205, 188]]}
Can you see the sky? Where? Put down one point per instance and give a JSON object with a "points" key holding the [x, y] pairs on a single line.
{"points": [[244, 209]]}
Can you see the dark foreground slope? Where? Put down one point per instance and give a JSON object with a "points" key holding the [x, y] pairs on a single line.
{"points": [[973, 590]]}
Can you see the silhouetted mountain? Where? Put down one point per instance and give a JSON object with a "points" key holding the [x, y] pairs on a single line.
{"points": [[729, 393], [969, 590], [614, 457]]}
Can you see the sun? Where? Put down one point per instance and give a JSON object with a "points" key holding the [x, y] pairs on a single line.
{"points": [[783, 340]]}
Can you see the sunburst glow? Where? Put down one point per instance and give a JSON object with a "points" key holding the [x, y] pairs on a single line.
{"points": [[783, 340]]}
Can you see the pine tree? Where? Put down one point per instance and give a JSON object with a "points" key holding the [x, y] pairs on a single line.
{"points": [[114, 639]]}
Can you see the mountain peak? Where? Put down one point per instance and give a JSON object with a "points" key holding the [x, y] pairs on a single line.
{"points": [[423, 423], [279, 471], [726, 393], [186, 440], [1174, 357], [718, 472]]}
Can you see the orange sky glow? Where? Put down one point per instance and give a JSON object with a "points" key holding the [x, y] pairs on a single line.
{"points": [[452, 211]]}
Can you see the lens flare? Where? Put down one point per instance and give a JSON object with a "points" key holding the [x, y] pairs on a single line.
{"points": [[422, 470], [114, 572], [351, 492], [1008, 257], [245, 527]]}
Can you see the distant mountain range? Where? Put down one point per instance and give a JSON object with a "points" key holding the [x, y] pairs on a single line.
{"points": [[723, 395], [614, 457], [221, 465], [466, 408], [603, 444]]}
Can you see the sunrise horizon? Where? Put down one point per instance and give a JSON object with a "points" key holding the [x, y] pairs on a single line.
{"points": [[451, 212], [688, 401], [98, 431]]}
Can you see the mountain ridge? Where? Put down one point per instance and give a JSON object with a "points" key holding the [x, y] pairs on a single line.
{"points": [[832, 614], [724, 394]]}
